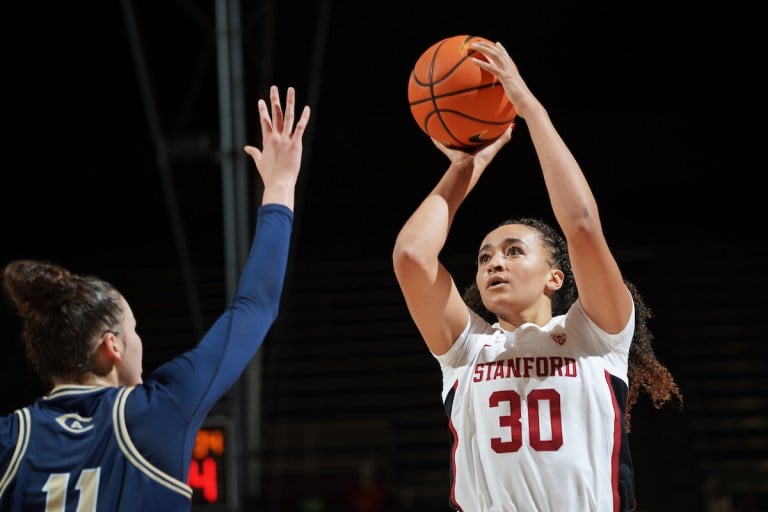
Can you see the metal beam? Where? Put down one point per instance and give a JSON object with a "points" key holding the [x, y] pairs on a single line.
{"points": [[163, 166]]}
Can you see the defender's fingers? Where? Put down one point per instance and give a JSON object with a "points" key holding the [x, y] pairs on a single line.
{"points": [[290, 104], [266, 122], [302, 124], [277, 112]]}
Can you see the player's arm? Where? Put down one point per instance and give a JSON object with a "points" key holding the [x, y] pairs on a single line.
{"points": [[430, 293], [202, 376], [178, 396], [602, 292]]}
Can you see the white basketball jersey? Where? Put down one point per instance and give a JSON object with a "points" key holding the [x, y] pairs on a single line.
{"points": [[537, 417]]}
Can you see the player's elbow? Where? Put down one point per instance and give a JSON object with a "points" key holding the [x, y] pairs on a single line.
{"points": [[406, 253], [266, 307], [584, 226], [409, 259]]}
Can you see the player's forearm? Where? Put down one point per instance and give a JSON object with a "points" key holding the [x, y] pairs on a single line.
{"points": [[571, 198], [426, 231]]}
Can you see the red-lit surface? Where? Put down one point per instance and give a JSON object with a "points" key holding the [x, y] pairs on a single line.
{"points": [[205, 476]]}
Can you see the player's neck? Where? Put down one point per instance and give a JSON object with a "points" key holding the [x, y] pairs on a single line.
{"points": [[90, 379]]}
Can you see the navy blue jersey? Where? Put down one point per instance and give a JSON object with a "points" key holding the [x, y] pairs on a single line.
{"points": [[89, 449]]}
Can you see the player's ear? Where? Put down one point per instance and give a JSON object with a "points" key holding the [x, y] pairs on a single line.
{"points": [[110, 346], [108, 352], [556, 278]]}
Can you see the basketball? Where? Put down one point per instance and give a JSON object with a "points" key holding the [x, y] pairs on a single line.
{"points": [[453, 100]]}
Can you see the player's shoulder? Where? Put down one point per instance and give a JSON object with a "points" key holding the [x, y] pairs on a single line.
{"points": [[11, 425]]}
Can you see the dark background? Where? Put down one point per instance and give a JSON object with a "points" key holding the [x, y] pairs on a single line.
{"points": [[663, 106]]}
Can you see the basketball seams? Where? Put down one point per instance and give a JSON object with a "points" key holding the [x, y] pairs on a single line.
{"points": [[455, 93], [464, 115], [452, 99], [431, 80]]}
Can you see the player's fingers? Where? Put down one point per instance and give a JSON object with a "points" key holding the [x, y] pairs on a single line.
{"points": [[266, 122], [277, 112], [302, 124], [254, 152], [290, 104]]}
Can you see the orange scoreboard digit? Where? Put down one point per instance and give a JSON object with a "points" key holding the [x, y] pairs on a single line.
{"points": [[212, 472]]}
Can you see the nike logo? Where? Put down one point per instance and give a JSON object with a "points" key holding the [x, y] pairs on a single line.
{"points": [[476, 138]]}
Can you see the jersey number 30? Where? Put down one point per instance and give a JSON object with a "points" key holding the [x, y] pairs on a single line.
{"points": [[536, 400]]}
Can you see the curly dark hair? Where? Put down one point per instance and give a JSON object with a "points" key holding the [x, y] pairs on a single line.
{"points": [[645, 372], [61, 314]]}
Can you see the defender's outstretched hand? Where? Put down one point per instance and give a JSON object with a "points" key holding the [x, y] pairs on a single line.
{"points": [[279, 161]]}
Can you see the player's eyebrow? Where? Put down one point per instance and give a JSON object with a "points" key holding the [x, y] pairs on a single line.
{"points": [[505, 242]]}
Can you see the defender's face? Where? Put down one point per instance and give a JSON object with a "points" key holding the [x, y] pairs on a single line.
{"points": [[130, 368]]}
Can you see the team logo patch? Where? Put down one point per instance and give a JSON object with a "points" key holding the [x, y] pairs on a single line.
{"points": [[75, 423], [559, 337]]}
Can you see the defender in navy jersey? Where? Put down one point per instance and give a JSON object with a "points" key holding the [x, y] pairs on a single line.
{"points": [[103, 438], [543, 356]]}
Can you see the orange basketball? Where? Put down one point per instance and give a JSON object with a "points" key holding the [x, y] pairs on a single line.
{"points": [[453, 100]]}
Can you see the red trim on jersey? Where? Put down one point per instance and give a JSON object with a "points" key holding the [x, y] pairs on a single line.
{"points": [[453, 455], [616, 443]]}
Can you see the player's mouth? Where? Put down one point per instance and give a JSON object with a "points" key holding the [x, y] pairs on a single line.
{"points": [[495, 282]]}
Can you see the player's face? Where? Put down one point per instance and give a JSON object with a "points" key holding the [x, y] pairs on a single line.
{"points": [[512, 270], [130, 367]]}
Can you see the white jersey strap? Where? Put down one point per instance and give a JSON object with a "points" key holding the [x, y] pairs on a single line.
{"points": [[133, 454], [22, 442]]}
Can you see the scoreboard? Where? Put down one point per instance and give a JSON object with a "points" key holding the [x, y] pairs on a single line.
{"points": [[213, 468]]}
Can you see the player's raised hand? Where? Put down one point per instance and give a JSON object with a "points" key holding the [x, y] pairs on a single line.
{"points": [[279, 160]]}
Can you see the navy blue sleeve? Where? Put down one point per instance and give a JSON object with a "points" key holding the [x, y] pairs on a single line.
{"points": [[178, 396]]}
